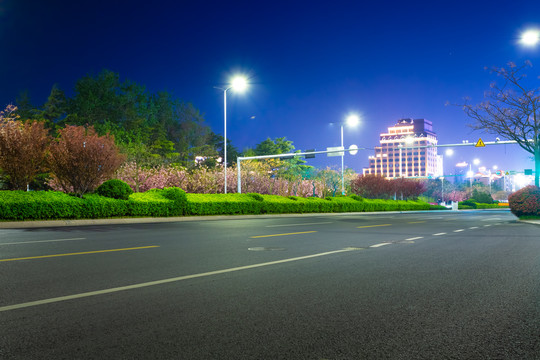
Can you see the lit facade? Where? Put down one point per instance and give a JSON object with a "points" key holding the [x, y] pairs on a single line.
{"points": [[397, 156]]}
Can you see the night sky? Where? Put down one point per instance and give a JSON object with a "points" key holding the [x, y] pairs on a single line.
{"points": [[310, 63]]}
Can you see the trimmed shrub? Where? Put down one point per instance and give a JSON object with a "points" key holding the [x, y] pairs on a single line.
{"points": [[179, 197], [525, 202], [116, 189], [467, 204], [256, 196], [223, 204], [153, 203]]}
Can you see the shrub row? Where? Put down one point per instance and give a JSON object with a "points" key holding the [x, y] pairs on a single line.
{"points": [[471, 204], [209, 204], [22, 205]]}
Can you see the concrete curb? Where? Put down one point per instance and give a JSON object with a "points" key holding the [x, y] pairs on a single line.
{"points": [[127, 221], [536, 222]]}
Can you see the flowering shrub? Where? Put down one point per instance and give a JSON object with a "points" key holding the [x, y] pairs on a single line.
{"points": [[378, 187], [525, 202], [255, 179]]}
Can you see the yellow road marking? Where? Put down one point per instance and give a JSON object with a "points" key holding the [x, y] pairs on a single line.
{"points": [[294, 233], [368, 226], [416, 222], [79, 253]]}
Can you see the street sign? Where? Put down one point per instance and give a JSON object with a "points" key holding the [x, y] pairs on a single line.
{"points": [[480, 143], [337, 152], [310, 156], [527, 171]]}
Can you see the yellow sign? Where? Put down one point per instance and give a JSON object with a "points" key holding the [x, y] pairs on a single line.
{"points": [[480, 143]]}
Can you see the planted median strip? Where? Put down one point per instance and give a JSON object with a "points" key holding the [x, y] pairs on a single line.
{"points": [[78, 253]]}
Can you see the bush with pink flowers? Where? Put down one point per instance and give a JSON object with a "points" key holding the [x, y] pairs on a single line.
{"points": [[525, 202]]}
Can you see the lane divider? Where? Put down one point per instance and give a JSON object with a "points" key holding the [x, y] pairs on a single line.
{"points": [[369, 226], [78, 253], [381, 244], [40, 241], [165, 281], [299, 224], [272, 235]]}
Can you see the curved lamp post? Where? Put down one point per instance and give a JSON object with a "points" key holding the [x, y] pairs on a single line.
{"points": [[238, 83]]}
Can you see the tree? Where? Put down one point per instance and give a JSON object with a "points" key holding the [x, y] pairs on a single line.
{"points": [[378, 187], [25, 109], [372, 187], [273, 147], [331, 180], [511, 110], [54, 109], [80, 159], [22, 149]]}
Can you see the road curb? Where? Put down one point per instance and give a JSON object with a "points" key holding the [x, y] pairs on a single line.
{"points": [[127, 221]]}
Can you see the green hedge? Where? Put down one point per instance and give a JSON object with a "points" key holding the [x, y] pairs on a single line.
{"points": [[21, 205], [220, 204]]}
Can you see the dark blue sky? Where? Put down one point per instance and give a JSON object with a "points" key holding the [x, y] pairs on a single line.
{"points": [[310, 63]]}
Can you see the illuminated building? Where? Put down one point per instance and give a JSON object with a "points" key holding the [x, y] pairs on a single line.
{"points": [[401, 154]]}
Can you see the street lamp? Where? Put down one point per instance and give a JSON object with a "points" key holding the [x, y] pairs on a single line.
{"points": [[352, 120], [238, 83], [530, 38], [471, 173]]}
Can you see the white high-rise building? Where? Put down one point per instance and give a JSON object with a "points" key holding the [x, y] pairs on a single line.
{"points": [[397, 155]]}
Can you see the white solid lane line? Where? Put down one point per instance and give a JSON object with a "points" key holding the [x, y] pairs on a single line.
{"points": [[379, 245], [40, 241], [164, 281]]}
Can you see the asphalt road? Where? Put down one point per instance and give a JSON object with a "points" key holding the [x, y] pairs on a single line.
{"points": [[431, 285]]}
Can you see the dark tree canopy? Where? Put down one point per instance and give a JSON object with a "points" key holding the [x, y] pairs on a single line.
{"points": [[511, 110]]}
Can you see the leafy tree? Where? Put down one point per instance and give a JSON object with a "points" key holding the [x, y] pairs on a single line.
{"points": [[274, 147], [331, 180], [482, 197], [511, 110], [372, 187], [80, 159], [22, 150]]}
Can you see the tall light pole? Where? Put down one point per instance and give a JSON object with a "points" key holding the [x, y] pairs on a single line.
{"points": [[471, 173], [238, 83], [352, 120]]}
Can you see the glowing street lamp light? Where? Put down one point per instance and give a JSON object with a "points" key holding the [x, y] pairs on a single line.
{"points": [[351, 121], [238, 83], [530, 38]]}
